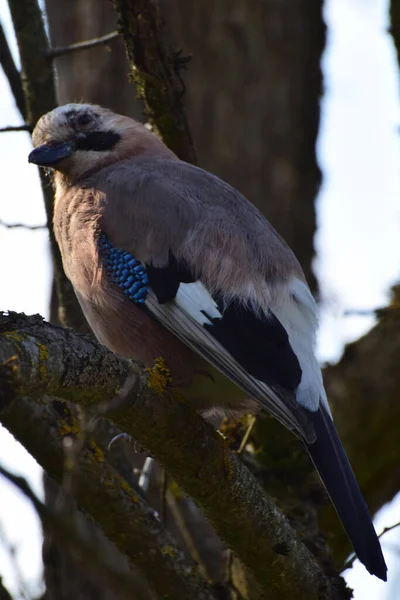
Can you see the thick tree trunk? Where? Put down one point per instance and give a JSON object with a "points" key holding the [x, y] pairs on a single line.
{"points": [[253, 89]]}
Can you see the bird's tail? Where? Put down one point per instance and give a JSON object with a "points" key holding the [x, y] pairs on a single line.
{"points": [[330, 460]]}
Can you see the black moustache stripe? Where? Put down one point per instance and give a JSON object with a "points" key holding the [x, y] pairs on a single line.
{"points": [[99, 141]]}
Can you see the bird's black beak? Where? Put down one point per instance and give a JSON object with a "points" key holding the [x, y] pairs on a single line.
{"points": [[48, 155]]}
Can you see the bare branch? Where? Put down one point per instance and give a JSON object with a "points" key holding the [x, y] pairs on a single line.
{"points": [[22, 226], [386, 529], [155, 68], [24, 487], [351, 560], [12, 73], [188, 447], [11, 128], [99, 41]]}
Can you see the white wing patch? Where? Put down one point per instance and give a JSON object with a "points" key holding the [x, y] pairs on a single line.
{"points": [[298, 315], [193, 298]]}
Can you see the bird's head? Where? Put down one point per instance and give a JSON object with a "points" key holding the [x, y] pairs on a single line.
{"points": [[79, 139]]}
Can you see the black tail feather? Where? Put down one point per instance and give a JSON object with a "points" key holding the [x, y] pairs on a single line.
{"points": [[330, 460]]}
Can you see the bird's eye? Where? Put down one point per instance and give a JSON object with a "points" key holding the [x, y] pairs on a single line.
{"points": [[83, 120]]}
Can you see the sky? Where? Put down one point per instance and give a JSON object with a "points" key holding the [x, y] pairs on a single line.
{"points": [[358, 213]]}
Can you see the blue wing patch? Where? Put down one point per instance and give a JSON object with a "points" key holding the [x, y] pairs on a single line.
{"points": [[125, 271]]}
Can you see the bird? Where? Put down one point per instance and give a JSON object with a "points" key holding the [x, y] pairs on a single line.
{"points": [[167, 260]]}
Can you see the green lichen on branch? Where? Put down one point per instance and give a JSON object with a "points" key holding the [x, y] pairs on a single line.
{"points": [[155, 69], [159, 377]]}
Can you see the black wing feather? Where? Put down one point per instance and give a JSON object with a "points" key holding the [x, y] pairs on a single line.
{"points": [[259, 343], [165, 280]]}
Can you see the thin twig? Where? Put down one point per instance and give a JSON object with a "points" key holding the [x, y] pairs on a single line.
{"points": [[62, 50], [11, 128], [250, 427], [360, 312], [22, 226], [386, 529], [349, 563], [73, 447], [245, 439], [24, 487]]}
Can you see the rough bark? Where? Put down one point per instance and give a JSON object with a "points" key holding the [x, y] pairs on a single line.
{"points": [[91, 568], [155, 68], [253, 89], [99, 74], [41, 427], [41, 360]]}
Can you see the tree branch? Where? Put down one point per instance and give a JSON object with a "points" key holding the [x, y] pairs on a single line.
{"points": [[21, 226], [42, 360], [100, 41], [155, 68], [13, 128]]}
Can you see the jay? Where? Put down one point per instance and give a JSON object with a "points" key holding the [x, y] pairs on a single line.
{"points": [[169, 261]]}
